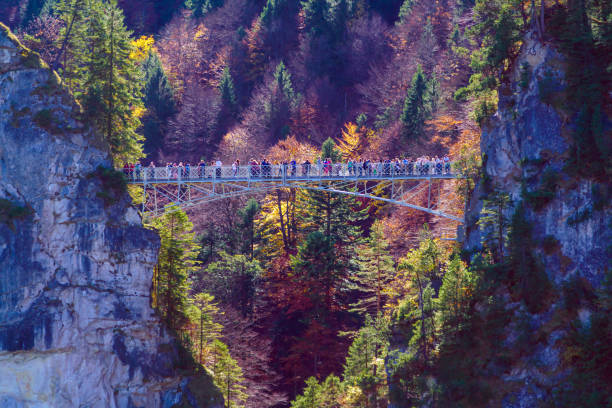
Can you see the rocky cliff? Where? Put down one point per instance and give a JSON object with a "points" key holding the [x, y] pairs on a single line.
{"points": [[76, 325], [525, 147]]}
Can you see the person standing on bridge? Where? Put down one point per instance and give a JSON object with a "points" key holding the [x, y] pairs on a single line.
{"points": [[151, 170], [218, 165], [447, 164], [236, 167], [202, 169], [293, 167]]}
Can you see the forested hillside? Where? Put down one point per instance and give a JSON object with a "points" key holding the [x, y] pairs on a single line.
{"points": [[306, 298]]}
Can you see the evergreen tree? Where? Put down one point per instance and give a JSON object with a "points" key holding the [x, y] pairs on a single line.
{"points": [[281, 104], [247, 224], [458, 285], [375, 272], [365, 362], [339, 16], [315, 16], [419, 267], [329, 150], [309, 398], [201, 7], [234, 279], [228, 92], [316, 267], [159, 101], [96, 49], [271, 11], [406, 10], [227, 376], [334, 215], [282, 79], [494, 224], [415, 109], [177, 258], [208, 329], [70, 40]]}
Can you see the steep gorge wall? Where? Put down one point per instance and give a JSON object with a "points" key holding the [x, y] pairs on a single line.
{"points": [[76, 325], [523, 145]]}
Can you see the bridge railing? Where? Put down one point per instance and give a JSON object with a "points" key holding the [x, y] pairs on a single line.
{"points": [[284, 172]]}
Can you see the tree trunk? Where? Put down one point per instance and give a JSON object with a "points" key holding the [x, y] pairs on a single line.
{"points": [[421, 306], [282, 220], [75, 10]]}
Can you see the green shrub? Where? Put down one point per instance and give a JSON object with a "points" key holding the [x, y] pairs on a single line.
{"points": [[10, 212], [528, 279], [545, 192], [114, 184], [525, 75]]}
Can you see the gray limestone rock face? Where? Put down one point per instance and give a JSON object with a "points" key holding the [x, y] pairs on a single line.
{"points": [[526, 138], [76, 325]]}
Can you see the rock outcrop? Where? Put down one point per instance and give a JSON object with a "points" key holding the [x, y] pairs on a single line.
{"points": [[76, 325], [525, 148]]}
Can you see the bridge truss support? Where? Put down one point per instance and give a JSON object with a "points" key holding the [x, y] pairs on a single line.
{"points": [[408, 191]]}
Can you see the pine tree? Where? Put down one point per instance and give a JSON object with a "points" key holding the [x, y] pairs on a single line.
{"points": [[282, 79], [201, 7], [375, 272], [281, 104], [159, 101], [70, 40], [234, 279], [315, 266], [271, 11], [309, 399], [177, 260], [228, 92], [458, 286], [208, 329], [415, 105], [419, 266], [227, 376], [329, 150], [334, 215], [494, 224], [365, 362], [247, 224], [96, 49], [315, 16], [406, 10]]}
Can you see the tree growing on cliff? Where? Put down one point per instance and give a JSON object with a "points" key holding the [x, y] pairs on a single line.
{"points": [[96, 49], [494, 223]]}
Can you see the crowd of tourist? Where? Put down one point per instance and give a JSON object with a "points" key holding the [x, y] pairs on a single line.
{"points": [[361, 167]]}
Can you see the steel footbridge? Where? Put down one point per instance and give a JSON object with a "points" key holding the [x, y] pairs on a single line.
{"points": [[184, 187]]}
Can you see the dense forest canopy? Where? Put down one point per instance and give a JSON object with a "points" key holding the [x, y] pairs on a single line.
{"points": [[361, 305]]}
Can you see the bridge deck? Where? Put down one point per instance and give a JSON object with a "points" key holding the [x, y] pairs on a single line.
{"points": [[247, 174], [144, 180]]}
